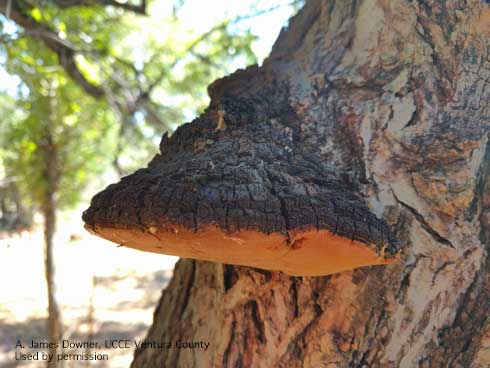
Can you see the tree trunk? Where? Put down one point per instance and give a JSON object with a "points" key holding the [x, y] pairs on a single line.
{"points": [[54, 324], [393, 96], [50, 176]]}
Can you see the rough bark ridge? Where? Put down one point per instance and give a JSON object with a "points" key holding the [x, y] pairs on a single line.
{"points": [[391, 94]]}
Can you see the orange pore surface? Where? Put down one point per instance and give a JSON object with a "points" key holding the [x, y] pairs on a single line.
{"points": [[309, 253]]}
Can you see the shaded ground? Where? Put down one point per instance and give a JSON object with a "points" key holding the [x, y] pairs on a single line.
{"points": [[105, 292]]}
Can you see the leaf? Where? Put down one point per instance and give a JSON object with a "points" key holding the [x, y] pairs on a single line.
{"points": [[36, 14]]}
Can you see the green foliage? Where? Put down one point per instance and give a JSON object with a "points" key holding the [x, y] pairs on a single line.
{"points": [[155, 58], [82, 129]]}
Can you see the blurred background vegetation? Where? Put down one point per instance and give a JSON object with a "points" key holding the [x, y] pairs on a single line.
{"points": [[101, 84], [88, 87]]}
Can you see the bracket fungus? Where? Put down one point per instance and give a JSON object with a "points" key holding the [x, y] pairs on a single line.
{"points": [[251, 194]]}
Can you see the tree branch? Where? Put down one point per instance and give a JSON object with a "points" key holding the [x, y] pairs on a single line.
{"points": [[139, 8], [66, 53], [192, 46]]}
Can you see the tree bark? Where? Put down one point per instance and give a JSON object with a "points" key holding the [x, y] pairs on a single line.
{"points": [[48, 208], [392, 96], [54, 323]]}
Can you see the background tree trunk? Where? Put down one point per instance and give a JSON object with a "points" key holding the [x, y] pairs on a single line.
{"points": [[394, 94], [54, 323], [48, 209]]}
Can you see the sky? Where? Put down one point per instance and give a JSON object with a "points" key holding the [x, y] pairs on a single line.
{"points": [[8, 82], [201, 16]]}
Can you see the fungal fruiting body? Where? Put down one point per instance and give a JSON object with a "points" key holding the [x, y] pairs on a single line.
{"points": [[252, 197]]}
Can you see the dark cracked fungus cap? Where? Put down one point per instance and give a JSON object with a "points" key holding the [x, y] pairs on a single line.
{"points": [[228, 191]]}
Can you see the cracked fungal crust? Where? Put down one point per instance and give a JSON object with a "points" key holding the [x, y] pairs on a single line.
{"points": [[251, 176]]}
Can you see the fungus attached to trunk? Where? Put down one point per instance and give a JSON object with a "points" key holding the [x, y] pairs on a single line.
{"points": [[238, 186]]}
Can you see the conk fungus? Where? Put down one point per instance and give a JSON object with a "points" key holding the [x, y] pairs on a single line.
{"points": [[239, 185]]}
